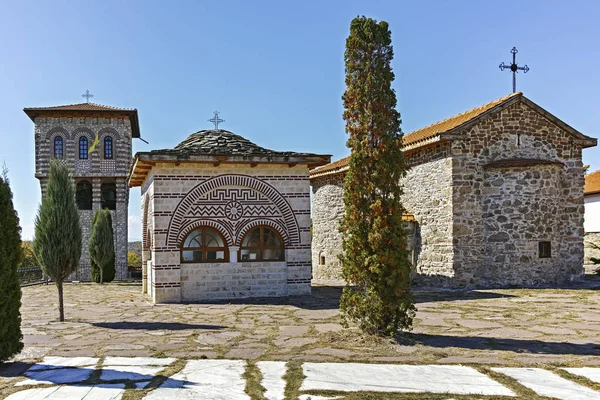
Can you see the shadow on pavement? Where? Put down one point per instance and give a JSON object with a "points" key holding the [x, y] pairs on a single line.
{"points": [[486, 343], [155, 326]]}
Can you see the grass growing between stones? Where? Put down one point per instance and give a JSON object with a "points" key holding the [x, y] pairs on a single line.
{"points": [[293, 379], [406, 396], [521, 391], [253, 378], [583, 381]]}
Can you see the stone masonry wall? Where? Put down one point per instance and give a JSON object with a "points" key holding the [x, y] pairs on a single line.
{"points": [[95, 169], [427, 195], [501, 214], [186, 196], [327, 213], [589, 239]]}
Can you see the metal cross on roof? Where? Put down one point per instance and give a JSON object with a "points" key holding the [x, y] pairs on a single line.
{"points": [[87, 96], [514, 68], [216, 120]]}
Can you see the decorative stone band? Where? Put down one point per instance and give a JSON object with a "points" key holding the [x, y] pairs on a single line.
{"points": [[521, 162], [298, 281], [162, 285]]}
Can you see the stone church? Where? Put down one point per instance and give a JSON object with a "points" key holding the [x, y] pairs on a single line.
{"points": [[494, 197], [224, 218], [67, 133]]}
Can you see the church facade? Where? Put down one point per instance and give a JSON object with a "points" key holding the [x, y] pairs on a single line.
{"points": [[67, 133], [223, 218], [494, 197]]}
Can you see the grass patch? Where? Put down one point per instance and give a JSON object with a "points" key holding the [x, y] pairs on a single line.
{"points": [[521, 391], [253, 378], [293, 379], [583, 381], [155, 382]]}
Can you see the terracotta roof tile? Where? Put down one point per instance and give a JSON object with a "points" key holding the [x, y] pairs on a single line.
{"points": [[592, 183], [425, 133], [453, 122], [79, 107]]}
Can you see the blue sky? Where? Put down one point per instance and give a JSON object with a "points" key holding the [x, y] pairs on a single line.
{"points": [[274, 69]]}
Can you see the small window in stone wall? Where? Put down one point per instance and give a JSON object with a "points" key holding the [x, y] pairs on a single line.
{"points": [[322, 258], [205, 244], [83, 148], [545, 250], [261, 244], [83, 195], [109, 196], [108, 148], [58, 147]]}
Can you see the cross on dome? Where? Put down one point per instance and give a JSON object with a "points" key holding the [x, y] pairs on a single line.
{"points": [[216, 120]]}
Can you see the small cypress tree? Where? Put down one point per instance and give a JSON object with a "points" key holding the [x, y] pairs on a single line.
{"points": [[101, 243], [11, 255], [57, 242], [375, 261]]}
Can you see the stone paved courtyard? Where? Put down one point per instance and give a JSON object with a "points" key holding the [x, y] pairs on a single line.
{"points": [[485, 329]]}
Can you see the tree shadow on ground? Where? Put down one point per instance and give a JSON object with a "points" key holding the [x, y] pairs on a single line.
{"points": [[155, 326], [501, 344], [14, 368]]}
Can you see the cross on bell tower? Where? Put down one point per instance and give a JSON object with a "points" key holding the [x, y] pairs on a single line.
{"points": [[216, 120], [87, 95], [514, 68]]}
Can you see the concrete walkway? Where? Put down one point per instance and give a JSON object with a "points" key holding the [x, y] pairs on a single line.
{"points": [[168, 378]]}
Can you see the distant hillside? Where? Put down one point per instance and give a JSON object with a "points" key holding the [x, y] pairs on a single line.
{"points": [[135, 247]]}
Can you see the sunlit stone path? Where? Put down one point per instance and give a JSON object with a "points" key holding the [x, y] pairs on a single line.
{"points": [[92, 378]]}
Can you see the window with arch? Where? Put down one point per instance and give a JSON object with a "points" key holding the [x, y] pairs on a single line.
{"points": [[262, 244], [83, 195], [58, 147], [108, 191], [204, 244], [83, 148], [108, 148]]}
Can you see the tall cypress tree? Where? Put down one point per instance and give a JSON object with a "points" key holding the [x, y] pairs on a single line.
{"points": [[101, 243], [11, 255], [57, 242], [375, 261]]}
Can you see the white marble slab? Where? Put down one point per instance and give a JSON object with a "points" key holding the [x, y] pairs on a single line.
{"points": [[273, 372], [138, 361], [545, 383], [350, 377], [63, 362], [129, 372], [205, 379], [56, 376], [96, 392], [593, 374]]}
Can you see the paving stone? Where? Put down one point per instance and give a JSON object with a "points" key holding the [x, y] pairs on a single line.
{"points": [[205, 379], [593, 374], [545, 383], [56, 376], [328, 351], [554, 330], [511, 333], [294, 342], [213, 338], [273, 372], [478, 324], [138, 361], [293, 330], [313, 397], [245, 354], [124, 346], [399, 378], [323, 328], [129, 372], [97, 392]]}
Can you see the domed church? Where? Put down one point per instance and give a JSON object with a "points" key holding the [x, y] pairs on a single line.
{"points": [[224, 218]]}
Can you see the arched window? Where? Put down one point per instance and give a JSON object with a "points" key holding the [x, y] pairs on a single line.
{"points": [[83, 148], [108, 148], [204, 244], [262, 244], [109, 195], [58, 147], [84, 195]]}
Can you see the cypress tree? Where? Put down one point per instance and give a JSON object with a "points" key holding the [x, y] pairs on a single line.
{"points": [[11, 255], [101, 243], [375, 261], [57, 242]]}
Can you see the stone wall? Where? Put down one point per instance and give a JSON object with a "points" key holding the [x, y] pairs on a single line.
{"points": [[191, 195], [589, 239], [502, 213], [95, 169], [327, 213], [210, 281]]}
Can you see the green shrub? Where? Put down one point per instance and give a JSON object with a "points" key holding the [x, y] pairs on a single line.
{"points": [[11, 255], [57, 242], [102, 247]]}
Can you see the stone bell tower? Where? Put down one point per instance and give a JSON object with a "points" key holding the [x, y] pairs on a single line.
{"points": [[94, 141]]}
